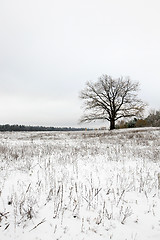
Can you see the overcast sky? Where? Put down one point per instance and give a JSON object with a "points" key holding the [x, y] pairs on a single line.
{"points": [[50, 48]]}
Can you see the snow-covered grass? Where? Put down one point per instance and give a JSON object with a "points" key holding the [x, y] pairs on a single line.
{"points": [[95, 185]]}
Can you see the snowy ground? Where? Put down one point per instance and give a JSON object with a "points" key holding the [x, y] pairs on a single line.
{"points": [[80, 185]]}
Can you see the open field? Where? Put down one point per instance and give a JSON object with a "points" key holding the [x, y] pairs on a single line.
{"points": [[96, 185]]}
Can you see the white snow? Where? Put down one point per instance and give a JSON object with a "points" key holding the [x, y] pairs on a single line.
{"points": [[94, 185]]}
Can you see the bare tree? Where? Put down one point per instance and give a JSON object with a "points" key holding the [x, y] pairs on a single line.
{"points": [[111, 99]]}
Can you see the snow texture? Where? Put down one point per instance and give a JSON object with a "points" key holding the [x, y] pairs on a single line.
{"points": [[95, 185]]}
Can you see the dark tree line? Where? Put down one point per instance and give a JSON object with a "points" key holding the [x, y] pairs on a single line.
{"points": [[152, 120], [8, 127]]}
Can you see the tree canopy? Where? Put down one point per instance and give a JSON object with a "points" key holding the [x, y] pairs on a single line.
{"points": [[111, 99]]}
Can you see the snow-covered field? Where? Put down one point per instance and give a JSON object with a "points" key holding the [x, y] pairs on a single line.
{"points": [[80, 185]]}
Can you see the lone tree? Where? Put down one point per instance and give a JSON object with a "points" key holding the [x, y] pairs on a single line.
{"points": [[111, 99]]}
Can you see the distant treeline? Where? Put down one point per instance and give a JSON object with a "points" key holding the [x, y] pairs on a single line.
{"points": [[152, 120], [8, 127]]}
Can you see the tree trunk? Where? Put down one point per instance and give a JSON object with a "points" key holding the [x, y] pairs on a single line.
{"points": [[112, 124]]}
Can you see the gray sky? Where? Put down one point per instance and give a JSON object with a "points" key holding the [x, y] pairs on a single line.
{"points": [[50, 48]]}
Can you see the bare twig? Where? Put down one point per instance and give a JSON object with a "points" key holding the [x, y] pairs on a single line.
{"points": [[120, 197], [38, 224]]}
